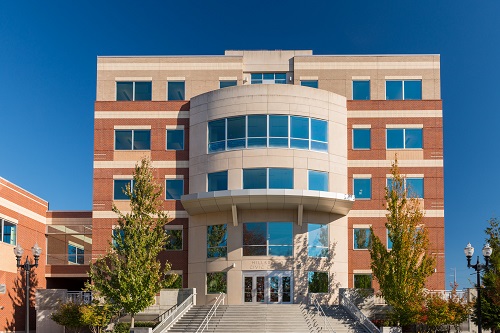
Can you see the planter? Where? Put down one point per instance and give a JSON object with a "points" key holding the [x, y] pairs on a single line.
{"points": [[388, 329]]}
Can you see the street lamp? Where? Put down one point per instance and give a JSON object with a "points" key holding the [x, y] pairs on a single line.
{"points": [[469, 251], [27, 266]]}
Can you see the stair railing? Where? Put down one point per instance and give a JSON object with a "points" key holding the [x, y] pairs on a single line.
{"points": [[211, 313], [169, 317], [353, 310], [327, 325]]}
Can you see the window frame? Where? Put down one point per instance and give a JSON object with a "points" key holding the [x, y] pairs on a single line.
{"points": [[173, 180], [77, 255], [132, 143], [174, 130], [227, 81], [222, 241], [309, 83], [183, 92], [14, 226], [267, 244], [224, 279], [134, 97], [175, 228], [369, 130], [404, 138], [363, 274], [216, 174], [321, 247], [268, 178], [369, 90], [268, 80], [354, 187], [365, 246], [131, 180], [310, 277], [403, 94], [317, 172]]}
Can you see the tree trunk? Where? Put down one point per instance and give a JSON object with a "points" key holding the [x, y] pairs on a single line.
{"points": [[132, 320]]}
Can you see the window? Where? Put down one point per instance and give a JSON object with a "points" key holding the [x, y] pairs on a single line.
{"points": [[317, 282], [414, 186], [362, 188], [268, 239], [174, 189], [361, 90], [176, 91], [361, 238], [361, 138], [132, 139], [277, 131], [75, 254], [363, 281], [217, 241], [317, 240], [268, 78], [216, 282], [309, 83], [8, 232], [227, 83], [133, 91], [217, 181], [407, 90], [404, 138], [175, 139], [318, 180], [119, 186], [277, 178], [174, 241], [389, 241], [118, 237]]}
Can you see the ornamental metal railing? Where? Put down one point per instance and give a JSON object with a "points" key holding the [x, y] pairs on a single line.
{"points": [[353, 310], [213, 312], [169, 317]]}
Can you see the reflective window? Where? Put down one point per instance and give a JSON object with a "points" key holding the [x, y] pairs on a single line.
{"points": [[217, 135], [361, 238], [133, 91], [132, 139], [404, 138], [176, 91], [318, 180], [216, 283], [362, 188], [227, 83], [389, 241], [361, 138], [414, 186], [119, 186], [236, 132], [217, 181], [361, 90], [363, 281], [278, 131], [257, 131], [317, 240], [317, 282], [174, 240], [175, 139], [274, 178], [174, 189], [76, 254], [268, 78], [268, 239], [319, 135], [299, 132], [217, 241], [407, 90], [309, 83], [118, 237], [8, 232]]}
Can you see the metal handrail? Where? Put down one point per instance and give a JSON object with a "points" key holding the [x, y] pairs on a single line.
{"points": [[171, 318], [211, 313], [165, 314], [319, 308], [353, 310]]}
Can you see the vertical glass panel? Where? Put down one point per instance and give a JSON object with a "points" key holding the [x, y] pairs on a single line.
{"points": [[248, 282], [175, 139], [317, 240], [174, 241], [260, 289], [71, 253], [119, 188], [257, 126], [273, 289], [390, 184], [123, 140], [142, 140], [285, 287], [254, 178], [142, 91], [393, 90], [318, 282], [236, 132], [318, 180], [363, 281], [176, 91], [280, 238], [361, 238], [217, 181], [360, 90], [281, 178], [389, 241], [413, 90], [217, 135], [319, 130], [174, 189], [299, 127], [413, 138], [361, 138], [415, 187], [254, 239], [217, 241], [309, 83], [395, 138], [227, 83], [124, 91], [9, 232], [363, 188], [216, 282], [256, 78], [280, 78], [268, 76], [278, 127]]}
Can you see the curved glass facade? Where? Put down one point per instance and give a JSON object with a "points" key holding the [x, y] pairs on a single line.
{"points": [[267, 131]]}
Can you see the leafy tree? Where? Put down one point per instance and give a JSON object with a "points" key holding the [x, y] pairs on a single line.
{"points": [[96, 316], [402, 271], [69, 316], [130, 274]]}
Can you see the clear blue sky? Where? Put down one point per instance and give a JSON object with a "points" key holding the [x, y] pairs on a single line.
{"points": [[48, 53]]}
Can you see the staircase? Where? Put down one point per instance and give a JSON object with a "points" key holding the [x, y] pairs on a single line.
{"points": [[339, 319]]}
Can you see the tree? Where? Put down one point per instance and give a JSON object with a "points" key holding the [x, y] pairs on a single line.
{"points": [[402, 271], [490, 294], [130, 274], [69, 316], [96, 316]]}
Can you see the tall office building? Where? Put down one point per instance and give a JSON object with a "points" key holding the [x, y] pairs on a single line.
{"points": [[274, 163]]}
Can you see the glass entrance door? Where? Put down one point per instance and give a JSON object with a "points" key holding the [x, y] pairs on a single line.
{"points": [[267, 287]]}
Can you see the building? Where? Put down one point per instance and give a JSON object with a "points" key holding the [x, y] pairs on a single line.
{"points": [[274, 162]]}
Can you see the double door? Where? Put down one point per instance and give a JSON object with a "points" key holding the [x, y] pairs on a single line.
{"points": [[267, 287]]}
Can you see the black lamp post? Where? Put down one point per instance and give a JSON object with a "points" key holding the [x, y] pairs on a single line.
{"points": [[27, 266], [469, 251]]}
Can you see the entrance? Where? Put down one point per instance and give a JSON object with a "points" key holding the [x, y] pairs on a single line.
{"points": [[267, 287]]}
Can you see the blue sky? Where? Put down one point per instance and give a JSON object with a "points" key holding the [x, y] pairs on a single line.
{"points": [[48, 53]]}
